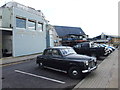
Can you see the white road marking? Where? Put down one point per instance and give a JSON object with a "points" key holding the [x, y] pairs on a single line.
{"points": [[50, 79]]}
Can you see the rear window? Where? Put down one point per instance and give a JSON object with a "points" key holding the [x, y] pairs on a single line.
{"points": [[47, 52]]}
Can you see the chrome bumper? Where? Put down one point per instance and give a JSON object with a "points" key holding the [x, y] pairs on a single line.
{"points": [[89, 69]]}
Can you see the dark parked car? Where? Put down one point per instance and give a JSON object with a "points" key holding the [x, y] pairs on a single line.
{"points": [[109, 49], [65, 59], [90, 49]]}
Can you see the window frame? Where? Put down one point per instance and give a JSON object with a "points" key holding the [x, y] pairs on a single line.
{"points": [[45, 52], [21, 18], [31, 21], [51, 53], [58, 51], [41, 27]]}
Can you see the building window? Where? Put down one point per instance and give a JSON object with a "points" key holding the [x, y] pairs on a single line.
{"points": [[31, 25], [20, 22], [40, 26]]}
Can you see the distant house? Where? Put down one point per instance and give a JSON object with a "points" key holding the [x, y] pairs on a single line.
{"points": [[24, 30], [70, 35]]}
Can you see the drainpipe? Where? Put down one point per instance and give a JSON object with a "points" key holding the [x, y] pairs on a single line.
{"points": [[13, 25], [0, 43]]}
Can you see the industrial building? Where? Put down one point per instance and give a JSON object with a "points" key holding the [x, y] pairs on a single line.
{"points": [[23, 29], [69, 36]]}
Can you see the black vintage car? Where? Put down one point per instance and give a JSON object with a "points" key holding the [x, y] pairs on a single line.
{"points": [[65, 59]]}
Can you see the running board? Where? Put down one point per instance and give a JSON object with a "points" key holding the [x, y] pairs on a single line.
{"points": [[55, 69]]}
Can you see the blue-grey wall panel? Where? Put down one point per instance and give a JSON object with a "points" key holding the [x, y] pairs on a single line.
{"points": [[25, 41]]}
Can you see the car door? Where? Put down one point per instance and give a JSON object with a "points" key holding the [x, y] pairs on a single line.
{"points": [[57, 59], [47, 61], [85, 48]]}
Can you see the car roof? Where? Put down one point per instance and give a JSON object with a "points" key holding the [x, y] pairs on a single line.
{"points": [[59, 47]]}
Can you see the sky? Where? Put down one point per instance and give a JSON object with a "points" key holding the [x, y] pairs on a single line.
{"points": [[92, 16]]}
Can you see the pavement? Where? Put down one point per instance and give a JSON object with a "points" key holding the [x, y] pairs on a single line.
{"points": [[8, 60], [105, 76]]}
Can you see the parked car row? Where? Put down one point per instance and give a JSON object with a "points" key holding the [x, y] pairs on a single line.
{"points": [[65, 59], [109, 49], [93, 49]]}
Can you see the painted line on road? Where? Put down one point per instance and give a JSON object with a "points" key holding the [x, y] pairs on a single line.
{"points": [[13, 63], [50, 79]]}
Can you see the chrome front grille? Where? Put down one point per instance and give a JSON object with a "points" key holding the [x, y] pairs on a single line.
{"points": [[91, 64]]}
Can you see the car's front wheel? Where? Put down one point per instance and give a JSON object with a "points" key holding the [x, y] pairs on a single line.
{"points": [[75, 72]]}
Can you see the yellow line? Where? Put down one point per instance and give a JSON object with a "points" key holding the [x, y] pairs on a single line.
{"points": [[11, 64]]}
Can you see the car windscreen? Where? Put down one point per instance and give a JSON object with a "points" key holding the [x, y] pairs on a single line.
{"points": [[67, 51]]}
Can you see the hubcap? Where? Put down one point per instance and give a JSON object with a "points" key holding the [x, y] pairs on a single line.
{"points": [[75, 72]]}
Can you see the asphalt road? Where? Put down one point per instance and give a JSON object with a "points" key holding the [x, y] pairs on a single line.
{"points": [[28, 75]]}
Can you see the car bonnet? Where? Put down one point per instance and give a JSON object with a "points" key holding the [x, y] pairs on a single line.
{"points": [[78, 57]]}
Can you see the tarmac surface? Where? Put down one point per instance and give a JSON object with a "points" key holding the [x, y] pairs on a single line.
{"points": [[27, 74], [105, 76]]}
